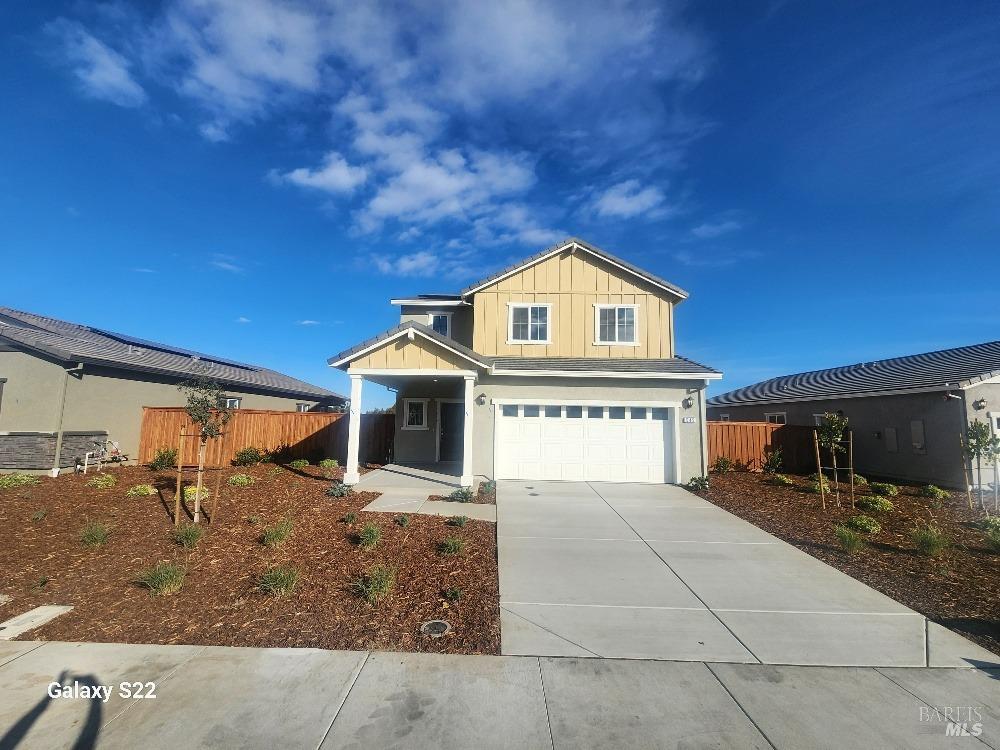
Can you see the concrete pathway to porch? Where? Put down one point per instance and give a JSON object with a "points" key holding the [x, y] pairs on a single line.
{"points": [[655, 572], [405, 489], [213, 697]]}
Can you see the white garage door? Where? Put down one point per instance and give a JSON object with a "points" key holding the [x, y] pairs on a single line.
{"points": [[584, 442]]}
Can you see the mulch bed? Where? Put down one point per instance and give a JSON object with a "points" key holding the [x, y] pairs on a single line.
{"points": [[960, 589], [44, 562]]}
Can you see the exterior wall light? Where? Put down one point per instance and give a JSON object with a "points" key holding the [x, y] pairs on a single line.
{"points": [[688, 402], [481, 399], [979, 404]]}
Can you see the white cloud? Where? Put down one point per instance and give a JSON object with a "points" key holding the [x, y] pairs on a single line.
{"points": [[143, 270], [242, 319], [333, 175], [101, 72], [706, 259], [710, 230], [308, 322], [420, 263], [629, 199], [226, 263]]}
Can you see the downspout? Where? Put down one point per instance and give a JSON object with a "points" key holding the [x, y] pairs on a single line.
{"points": [[62, 413], [703, 427]]}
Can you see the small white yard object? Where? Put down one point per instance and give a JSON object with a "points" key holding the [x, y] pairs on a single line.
{"points": [[106, 452]]}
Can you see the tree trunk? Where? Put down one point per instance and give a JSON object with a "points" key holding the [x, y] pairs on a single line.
{"points": [[979, 477], [836, 482], [201, 477]]}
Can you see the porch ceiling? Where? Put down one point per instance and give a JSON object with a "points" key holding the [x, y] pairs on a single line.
{"points": [[431, 384]]}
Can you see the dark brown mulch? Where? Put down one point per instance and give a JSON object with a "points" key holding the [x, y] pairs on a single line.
{"points": [[960, 589], [44, 562]]}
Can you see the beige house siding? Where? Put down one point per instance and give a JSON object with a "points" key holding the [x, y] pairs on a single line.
{"points": [[403, 354], [573, 283]]}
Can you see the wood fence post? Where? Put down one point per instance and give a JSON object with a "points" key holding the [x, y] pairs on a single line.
{"points": [[180, 464]]}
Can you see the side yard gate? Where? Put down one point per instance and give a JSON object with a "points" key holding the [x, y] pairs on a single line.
{"points": [[746, 443]]}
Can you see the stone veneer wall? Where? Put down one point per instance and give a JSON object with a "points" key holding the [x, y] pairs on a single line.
{"points": [[35, 450]]}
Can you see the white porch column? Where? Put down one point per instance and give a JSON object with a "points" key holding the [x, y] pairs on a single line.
{"points": [[466, 481], [351, 476]]}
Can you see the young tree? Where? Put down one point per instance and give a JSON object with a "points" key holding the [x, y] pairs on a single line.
{"points": [[830, 434], [206, 406], [981, 444]]}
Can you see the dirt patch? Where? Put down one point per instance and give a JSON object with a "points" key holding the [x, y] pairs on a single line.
{"points": [[960, 589], [44, 562]]}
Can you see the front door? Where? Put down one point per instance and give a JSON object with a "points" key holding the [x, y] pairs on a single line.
{"points": [[452, 430]]}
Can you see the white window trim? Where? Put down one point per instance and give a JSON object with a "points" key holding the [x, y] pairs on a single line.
{"points": [[406, 414], [598, 306], [430, 321], [818, 419], [510, 323], [723, 417], [782, 414], [300, 404], [237, 399]]}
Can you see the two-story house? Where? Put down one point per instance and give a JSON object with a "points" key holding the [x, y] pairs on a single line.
{"points": [[561, 367]]}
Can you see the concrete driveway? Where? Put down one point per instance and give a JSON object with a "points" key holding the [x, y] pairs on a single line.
{"points": [[655, 572]]}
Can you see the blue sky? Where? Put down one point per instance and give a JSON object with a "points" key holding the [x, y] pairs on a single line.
{"points": [[256, 179]]}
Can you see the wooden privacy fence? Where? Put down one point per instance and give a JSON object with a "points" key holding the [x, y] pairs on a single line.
{"points": [[746, 442], [310, 435]]}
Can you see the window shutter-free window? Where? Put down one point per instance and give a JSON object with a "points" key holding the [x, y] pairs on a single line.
{"points": [[615, 324], [529, 323], [441, 323]]}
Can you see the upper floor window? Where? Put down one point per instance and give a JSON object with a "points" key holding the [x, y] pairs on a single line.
{"points": [[615, 324], [302, 407], [233, 402], [440, 322], [528, 324], [777, 417]]}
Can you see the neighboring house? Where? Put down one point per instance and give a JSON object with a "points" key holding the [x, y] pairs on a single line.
{"points": [[561, 366], [907, 413], [63, 386]]}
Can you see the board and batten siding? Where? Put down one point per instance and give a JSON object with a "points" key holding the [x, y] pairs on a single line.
{"points": [[573, 283], [403, 354]]}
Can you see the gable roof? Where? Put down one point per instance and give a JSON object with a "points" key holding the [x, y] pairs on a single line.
{"points": [[427, 332], [587, 247], [933, 371], [71, 342]]}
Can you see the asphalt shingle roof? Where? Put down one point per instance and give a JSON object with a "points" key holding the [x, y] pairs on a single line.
{"points": [[948, 368], [70, 342]]}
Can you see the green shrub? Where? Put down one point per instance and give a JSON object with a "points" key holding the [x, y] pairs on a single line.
{"points": [[875, 504], [162, 579], [722, 465], [191, 492], [698, 484], [141, 490], [253, 520], [39, 515], [452, 545], [849, 539], [929, 539], [818, 481], [403, 520], [94, 534], [990, 524], [461, 495], [772, 462], [779, 480], [350, 518], [329, 463], [453, 594], [9, 481], [934, 493], [339, 489], [275, 536], [298, 463], [883, 488], [993, 539], [240, 480], [279, 580], [188, 535], [102, 481], [163, 459], [858, 479], [248, 456], [376, 584], [458, 521], [488, 487], [369, 536], [864, 524]]}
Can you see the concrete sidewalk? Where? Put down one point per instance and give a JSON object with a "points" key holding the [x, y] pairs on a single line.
{"points": [[405, 489], [211, 697]]}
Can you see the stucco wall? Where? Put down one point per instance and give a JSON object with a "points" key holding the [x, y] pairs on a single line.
{"points": [[31, 393], [461, 319]]}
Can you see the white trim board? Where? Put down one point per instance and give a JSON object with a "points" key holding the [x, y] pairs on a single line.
{"points": [[584, 402], [430, 303], [606, 374], [410, 332], [362, 371]]}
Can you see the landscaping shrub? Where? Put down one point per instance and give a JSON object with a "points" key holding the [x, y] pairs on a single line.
{"points": [[773, 461], [875, 504], [141, 490], [240, 480], [934, 493], [248, 456], [488, 487], [461, 495], [350, 518], [858, 479], [339, 489], [849, 539], [817, 481], [191, 492], [329, 463], [102, 481], [94, 534], [990, 524], [163, 459], [883, 488], [253, 520], [864, 524], [298, 463], [993, 539], [162, 579], [452, 545], [402, 521], [8, 481], [698, 484], [453, 594], [39, 515], [722, 465], [188, 535], [779, 480], [369, 536], [458, 521], [376, 584], [275, 536], [279, 580], [929, 540]]}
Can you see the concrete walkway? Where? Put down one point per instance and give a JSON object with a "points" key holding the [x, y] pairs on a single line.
{"points": [[655, 572], [405, 489], [208, 697]]}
